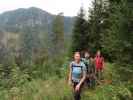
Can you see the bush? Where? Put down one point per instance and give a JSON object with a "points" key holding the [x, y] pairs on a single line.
{"points": [[109, 92], [52, 89]]}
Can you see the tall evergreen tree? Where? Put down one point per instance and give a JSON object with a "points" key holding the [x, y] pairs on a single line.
{"points": [[97, 23], [118, 40], [80, 33]]}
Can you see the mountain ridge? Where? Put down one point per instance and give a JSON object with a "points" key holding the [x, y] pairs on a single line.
{"points": [[17, 20]]}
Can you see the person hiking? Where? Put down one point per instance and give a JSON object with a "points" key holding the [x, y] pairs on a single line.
{"points": [[77, 75], [90, 66], [91, 73], [99, 65], [86, 60]]}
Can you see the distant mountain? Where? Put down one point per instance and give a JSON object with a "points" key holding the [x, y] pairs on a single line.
{"points": [[16, 20]]}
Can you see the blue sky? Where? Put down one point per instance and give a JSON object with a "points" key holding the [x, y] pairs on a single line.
{"points": [[68, 7]]}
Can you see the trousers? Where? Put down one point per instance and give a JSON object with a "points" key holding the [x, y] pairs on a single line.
{"points": [[77, 95]]}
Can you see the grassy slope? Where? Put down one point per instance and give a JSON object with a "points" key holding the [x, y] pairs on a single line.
{"points": [[57, 89], [110, 89]]}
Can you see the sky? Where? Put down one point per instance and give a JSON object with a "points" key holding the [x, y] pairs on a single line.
{"points": [[68, 7]]}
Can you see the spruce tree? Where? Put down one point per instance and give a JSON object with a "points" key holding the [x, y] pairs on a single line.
{"points": [[80, 33], [118, 40], [97, 23]]}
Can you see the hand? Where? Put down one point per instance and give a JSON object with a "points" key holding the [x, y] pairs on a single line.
{"points": [[77, 88]]}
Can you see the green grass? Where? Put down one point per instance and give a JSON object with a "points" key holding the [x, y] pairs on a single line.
{"points": [[110, 89], [52, 89], [57, 89]]}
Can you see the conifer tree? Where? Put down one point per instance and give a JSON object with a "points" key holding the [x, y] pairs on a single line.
{"points": [[97, 16], [80, 32]]}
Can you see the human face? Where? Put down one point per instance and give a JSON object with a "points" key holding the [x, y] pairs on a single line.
{"points": [[87, 55], [77, 57], [98, 53]]}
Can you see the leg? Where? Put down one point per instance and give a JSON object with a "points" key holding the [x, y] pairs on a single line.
{"points": [[76, 94], [93, 81], [97, 78], [97, 74], [88, 80], [101, 74]]}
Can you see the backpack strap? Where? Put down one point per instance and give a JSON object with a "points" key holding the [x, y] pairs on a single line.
{"points": [[72, 65]]}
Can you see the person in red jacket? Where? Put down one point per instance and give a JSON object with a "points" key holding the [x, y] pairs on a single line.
{"points": [[99, 64]]}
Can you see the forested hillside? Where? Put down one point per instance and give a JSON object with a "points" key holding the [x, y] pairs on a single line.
{"points": [[30, 32], [29, 38], [17, 20]]}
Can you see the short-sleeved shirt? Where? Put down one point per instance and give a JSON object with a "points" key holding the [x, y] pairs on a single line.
{"points": [[99, 62], [77, 70]]}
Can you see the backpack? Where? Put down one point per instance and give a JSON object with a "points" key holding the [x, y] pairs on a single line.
{"points": [[76, 66], [86, 64]]}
